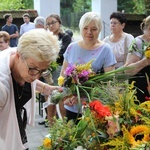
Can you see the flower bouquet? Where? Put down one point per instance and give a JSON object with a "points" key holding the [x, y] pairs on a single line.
{"points": [[79, 80], [110, 121]]}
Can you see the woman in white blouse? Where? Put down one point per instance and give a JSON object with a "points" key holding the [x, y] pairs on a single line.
{"points": [[119, 40]]}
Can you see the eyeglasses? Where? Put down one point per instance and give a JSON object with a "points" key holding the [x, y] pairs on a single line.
{"points": [[34, 71], [52, 23], [115, 23]]}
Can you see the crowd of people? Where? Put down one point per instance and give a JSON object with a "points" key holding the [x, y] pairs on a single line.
{"points": [[27, 52]]}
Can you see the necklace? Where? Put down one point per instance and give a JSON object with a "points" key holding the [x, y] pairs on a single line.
{"points": [[20, 90]]}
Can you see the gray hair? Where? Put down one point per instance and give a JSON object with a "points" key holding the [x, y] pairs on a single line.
{"points": [[39, 44], [88, 17], [40, 21]]}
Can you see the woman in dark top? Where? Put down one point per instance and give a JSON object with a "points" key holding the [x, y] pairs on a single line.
{"points": [[140, 63], [53, 23]]}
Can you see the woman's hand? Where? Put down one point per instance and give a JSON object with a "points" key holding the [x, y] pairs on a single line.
{"points": [[71, 100], [46, 89]]}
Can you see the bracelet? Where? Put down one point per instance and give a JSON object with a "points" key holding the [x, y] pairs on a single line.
{"points": [[43, 88]]}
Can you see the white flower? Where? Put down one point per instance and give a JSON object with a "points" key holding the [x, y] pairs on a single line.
{"points": [[80, 148]]}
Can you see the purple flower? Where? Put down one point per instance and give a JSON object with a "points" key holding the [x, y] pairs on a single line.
{"points": [[69, 70], [83, 76]]}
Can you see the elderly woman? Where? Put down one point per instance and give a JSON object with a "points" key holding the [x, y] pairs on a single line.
{"points": [[4, 40], [20, 70], [119, 40], [85, 50], [139, 62]]}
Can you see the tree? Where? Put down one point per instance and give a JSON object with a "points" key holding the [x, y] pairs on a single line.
{"points": [[147, 7], [82, 5], [16, 4], [132, 6], [66, 6]]}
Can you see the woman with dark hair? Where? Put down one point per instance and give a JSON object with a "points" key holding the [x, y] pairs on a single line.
{"points": [[119, 40], [54, 23]]}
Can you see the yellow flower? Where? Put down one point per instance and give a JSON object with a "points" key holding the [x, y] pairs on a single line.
{"points": [[131, 86], [86, 66], [61, 81], [47, 142], [141, 130], [147, 52]]}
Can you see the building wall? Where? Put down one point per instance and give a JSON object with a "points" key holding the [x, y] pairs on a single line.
{"points": [[46, 7]]}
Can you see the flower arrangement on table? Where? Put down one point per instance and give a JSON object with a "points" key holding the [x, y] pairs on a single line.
{"points": [[112, 117], [114, 121]]}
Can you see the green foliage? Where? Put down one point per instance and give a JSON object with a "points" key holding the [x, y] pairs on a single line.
{"points": [[11, 5], [132, 6], [16, 4], [82, 5], [147, 7], [66, 6], [28, 4], [74, 6]]}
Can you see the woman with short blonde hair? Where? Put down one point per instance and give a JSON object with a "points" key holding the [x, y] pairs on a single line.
{"points": [[21, 68]]}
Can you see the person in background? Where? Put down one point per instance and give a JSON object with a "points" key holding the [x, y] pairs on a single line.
{"points": [[40, 22], [140, 64], [119, 40], [21, 67], [12, 29], [53, 23], [27, 26], [4, 40], [68, 31], [87, 49]]}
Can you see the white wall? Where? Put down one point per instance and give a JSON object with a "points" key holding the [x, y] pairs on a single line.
{"points": [[104, 8], [46, 7]]}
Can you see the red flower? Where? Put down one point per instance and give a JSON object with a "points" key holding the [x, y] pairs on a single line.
{"points": [[147, 98], [84, 103], [100, 110]]}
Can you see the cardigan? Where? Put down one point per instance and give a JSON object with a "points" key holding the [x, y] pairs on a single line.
{"points": [[10, 138]]}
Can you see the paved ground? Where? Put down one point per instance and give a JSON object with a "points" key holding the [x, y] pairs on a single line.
{"points": [[37, 133]]}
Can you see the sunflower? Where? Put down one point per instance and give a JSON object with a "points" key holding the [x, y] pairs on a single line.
{"points": [[139, 135]]}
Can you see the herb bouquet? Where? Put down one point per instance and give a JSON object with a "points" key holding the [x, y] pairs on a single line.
{"points": [[115, 120], [80, 80]]}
